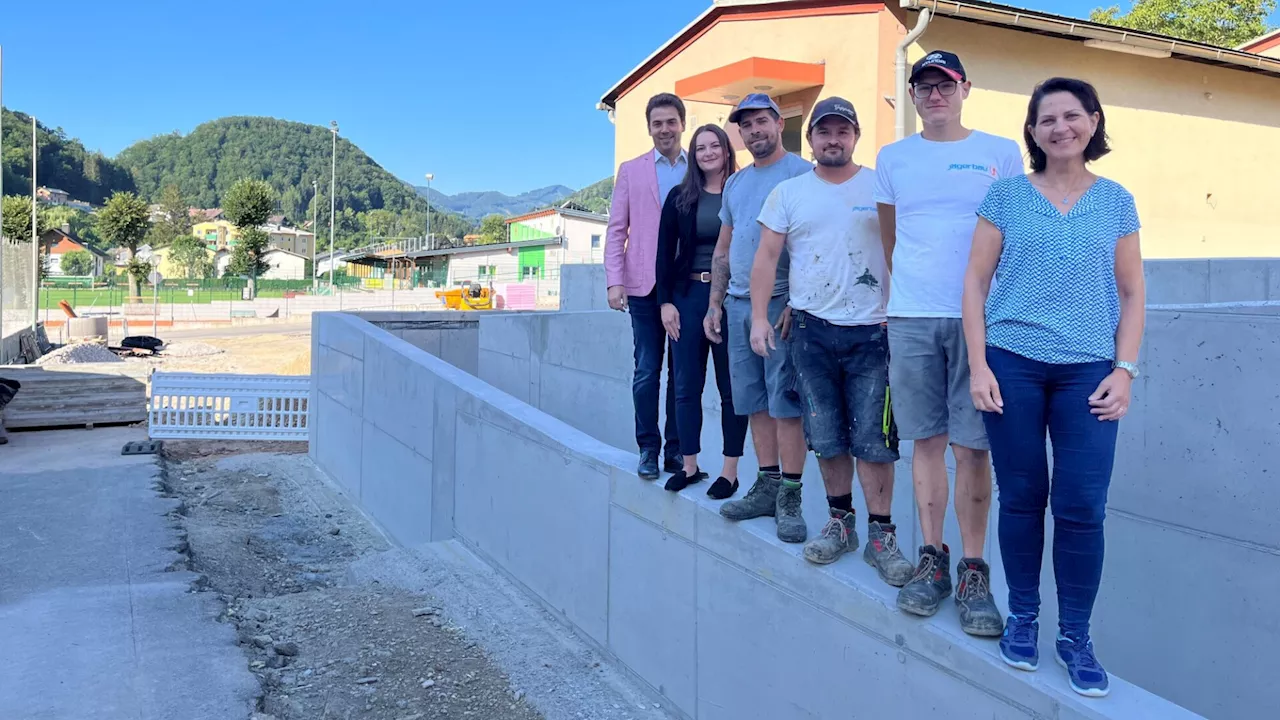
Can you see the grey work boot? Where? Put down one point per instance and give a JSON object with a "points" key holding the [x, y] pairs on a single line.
{"points": [[791, 527], [760, 501], [978, 612], [930, 584], [839, 536], [883, 554]]}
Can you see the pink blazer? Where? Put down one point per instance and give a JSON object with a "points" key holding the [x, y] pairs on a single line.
{"points": [[631, 244]]}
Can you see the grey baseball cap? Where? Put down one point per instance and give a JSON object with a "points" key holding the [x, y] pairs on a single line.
{"points": [[836, 106], [754, 101]]}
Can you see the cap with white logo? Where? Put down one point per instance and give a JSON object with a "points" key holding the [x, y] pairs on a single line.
{"points": [[836, 106], [942, 60]]}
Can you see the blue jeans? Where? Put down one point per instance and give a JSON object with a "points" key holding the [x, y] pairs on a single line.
{"points": [[650, 342], [1037, 397], [690, 353], [842, 373]]}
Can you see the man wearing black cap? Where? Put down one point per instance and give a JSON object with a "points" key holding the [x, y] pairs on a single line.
{"points": [[826, 220], [762, 387], [929, 187]]}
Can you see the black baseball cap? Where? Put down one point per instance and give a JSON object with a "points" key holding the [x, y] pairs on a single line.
{"points": [[836, 106], [942, 60], [754, 101]]}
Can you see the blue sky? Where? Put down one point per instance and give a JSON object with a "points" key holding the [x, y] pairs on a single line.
{"points": [[495, 94]]}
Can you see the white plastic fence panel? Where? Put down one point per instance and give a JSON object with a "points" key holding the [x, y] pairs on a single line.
{"points": [[228, 407]]}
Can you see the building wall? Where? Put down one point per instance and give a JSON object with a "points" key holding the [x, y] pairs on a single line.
{"points": [[848, 44], [284, 266], [1196, 145], [465, 267], [578, 234]]}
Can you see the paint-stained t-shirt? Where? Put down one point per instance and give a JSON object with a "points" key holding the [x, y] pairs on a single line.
{"points": [[833, 237]]}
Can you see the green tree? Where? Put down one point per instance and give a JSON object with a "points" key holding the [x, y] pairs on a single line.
{"points": [[1225, 23], [63, 162], [78, 263], [123, 223], [175, 220], [595, 197], [79, 223], [247, 205], [188, 254], [493, 229], [17, 219]]}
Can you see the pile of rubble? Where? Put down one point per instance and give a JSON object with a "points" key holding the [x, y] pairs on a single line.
{"points": [[190, 349], [84, 352]]}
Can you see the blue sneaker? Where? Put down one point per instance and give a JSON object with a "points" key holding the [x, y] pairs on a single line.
{"points": [[1087, 675], [1020, 643]]}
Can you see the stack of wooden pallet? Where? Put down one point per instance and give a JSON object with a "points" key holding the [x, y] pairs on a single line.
{"points": [[75, 396]]}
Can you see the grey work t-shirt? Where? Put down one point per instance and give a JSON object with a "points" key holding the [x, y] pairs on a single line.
{"points": [[743, 198]]}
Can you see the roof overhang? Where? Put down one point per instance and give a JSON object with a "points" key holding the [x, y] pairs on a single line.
{"points": [[728, 84], [1106, 37], [1262, 44]]}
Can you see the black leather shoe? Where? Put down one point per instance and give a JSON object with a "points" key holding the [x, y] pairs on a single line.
{"points": [[648, 469], [673, 463], [722, 488]]}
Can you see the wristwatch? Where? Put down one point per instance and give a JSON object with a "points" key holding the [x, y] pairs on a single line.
{"points": [[1127, 367]]}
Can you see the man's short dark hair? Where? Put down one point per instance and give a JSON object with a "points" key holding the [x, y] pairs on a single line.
{"points": [[664, 100]]}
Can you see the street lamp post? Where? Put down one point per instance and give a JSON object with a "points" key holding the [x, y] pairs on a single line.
{"points": [[333, 201], [315, 232], [430, 177], [35, 237]]}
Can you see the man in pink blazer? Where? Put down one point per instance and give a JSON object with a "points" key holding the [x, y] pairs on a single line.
{"points": [[630, 257]]}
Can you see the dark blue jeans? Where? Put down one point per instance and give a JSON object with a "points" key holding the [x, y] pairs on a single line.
{"points": [[1038, 397], [650, 342], [690, 353]]}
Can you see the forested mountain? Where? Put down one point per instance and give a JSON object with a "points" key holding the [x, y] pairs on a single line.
{"points": [[476, 205], [289, 156], [61, 162], [595, 197]]}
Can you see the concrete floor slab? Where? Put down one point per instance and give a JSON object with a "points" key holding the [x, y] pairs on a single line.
{"points": [[93, 621]]}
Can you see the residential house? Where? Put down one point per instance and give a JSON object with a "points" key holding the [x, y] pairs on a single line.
{"points": [[59, 241], [220, 233], [53, 196], [1268, 45]]}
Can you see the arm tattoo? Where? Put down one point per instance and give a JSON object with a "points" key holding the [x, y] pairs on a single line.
{"points": [[719, 278]]}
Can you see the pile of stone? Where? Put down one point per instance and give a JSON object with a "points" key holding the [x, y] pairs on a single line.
{"points": [[190, 349], [85, 352]]}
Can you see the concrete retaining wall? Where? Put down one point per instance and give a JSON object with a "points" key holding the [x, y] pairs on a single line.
{"points": [[1218, 280], [1192, 488], [583, 287], [720, 619]]}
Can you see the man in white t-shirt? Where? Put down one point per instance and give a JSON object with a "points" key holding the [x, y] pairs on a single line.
{"points": [[826, 220], [929, 187]]}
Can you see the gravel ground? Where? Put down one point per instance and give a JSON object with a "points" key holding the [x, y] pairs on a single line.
{"points": [[189, 349], [338, 623]]}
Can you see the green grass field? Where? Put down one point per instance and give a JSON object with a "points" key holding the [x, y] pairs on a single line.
{"points": [[114, 297]]}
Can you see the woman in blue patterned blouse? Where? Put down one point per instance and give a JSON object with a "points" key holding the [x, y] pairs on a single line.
{"points": [[1053, 346]]}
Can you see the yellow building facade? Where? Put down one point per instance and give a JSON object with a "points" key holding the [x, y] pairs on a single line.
{"points": [[221, 234], [1195, 137]]}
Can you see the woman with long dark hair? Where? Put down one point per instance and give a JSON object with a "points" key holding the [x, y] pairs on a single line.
{"points": [[1054, 347], [686, 238]]}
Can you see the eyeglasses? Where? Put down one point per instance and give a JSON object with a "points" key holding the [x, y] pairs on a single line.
{"points": [[946, 88]]}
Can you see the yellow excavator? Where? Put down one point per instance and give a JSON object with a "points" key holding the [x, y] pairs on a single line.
{"points": [[469, 297]]}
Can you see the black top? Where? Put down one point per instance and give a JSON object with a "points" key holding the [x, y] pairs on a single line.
{"points": [[686, 242]]}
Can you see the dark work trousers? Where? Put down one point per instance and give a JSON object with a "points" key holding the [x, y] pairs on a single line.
{"points": [[650, 342], [690, 353], [1040, 396]]}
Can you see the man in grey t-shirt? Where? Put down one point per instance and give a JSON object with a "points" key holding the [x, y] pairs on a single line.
{"points": [[763, 388]]}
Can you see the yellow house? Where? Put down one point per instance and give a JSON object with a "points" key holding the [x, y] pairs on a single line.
{"points": [[1194, 127], [220, 234]]}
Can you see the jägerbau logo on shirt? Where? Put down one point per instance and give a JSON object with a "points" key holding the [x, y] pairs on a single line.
{"points": [[863, 208], [984, 169]]}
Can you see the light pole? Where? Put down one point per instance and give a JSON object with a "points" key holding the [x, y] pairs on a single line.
{"points": [[35, 237], [315, 231], [333, 201], [430, 177]]}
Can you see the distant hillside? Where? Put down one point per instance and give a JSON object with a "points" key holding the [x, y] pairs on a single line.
{"points": [[595, 197], [476, 205], [63, 162], [289, 156]]}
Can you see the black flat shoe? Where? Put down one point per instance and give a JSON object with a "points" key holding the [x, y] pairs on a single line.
{"points": [[679, 481], [722, 488]]}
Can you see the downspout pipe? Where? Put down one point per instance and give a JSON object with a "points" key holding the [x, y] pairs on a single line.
{"points": [[901, 102]]}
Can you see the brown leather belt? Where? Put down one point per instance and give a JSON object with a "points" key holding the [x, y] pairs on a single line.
{"points": [[701, 277]]}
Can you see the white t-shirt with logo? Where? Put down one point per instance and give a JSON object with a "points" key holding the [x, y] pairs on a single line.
{"points": [[833, 237], [936, 188]]}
